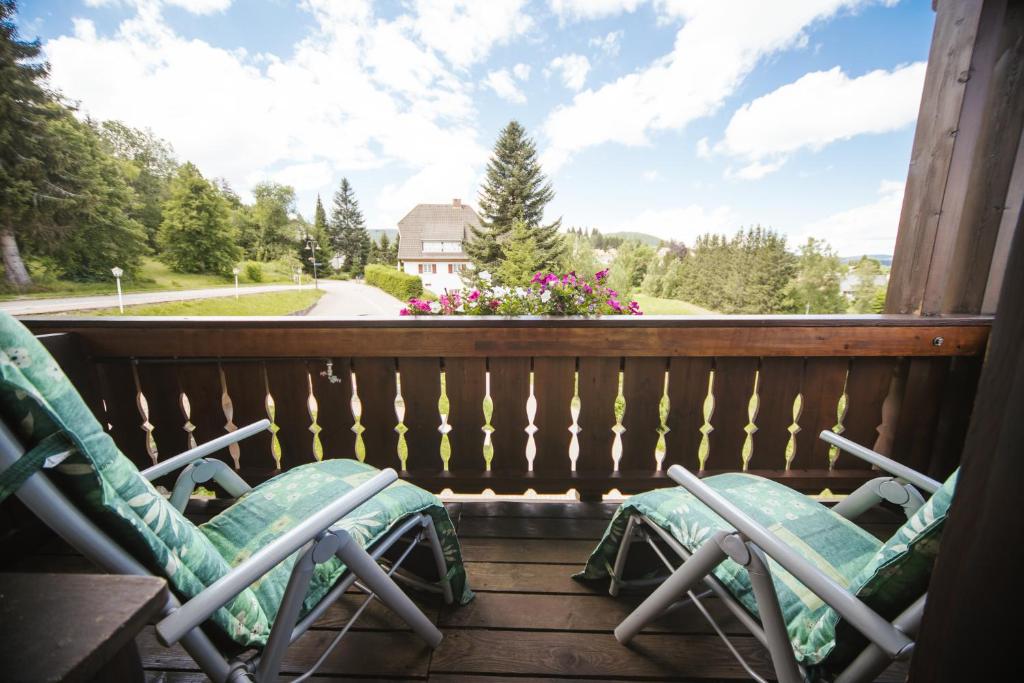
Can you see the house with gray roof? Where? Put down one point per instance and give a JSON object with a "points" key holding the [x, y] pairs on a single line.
{"points": [[430, 243]]}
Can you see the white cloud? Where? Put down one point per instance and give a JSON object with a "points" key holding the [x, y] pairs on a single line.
{"points": [[683, 223], [818, 109], [715, 49], [358, 93], [192, 6], [574, 70], [504, 86], [703, 149], [578, 10], [755, 170], [464, 31], [609, 43], [521, 71], [867, 229], [651, 175]]}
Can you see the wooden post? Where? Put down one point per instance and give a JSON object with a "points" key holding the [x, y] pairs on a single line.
{"points": [[975, 595], [959, 197]]}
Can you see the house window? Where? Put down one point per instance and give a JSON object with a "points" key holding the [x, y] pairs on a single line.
{"points": [[427, 268], [441, 247], [456, 267]]}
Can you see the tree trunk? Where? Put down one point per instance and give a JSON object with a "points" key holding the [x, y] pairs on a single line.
{"points": [[14, 266]]}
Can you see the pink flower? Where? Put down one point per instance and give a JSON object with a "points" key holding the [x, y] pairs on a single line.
{"points": [[404, 311], [615, 305], [601, 274], [587, 288], [494, 303], [538, 277], [473, 296], [634, 308]]}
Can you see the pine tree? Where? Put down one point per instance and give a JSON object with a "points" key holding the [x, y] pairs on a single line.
{"points": [[349, 237], [196, 235], [515, 189], [521, 257], [26, 182]]}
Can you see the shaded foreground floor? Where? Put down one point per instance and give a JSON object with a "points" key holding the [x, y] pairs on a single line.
{"points": [[530, 621]]}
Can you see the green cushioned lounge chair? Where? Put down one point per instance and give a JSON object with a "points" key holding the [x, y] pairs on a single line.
{"points": [[253, 579], [827, 599]]}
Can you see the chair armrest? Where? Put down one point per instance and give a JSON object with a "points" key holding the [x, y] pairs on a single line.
{"points": [[898, 470], [862, 617], [201, 451], [197, 610]]}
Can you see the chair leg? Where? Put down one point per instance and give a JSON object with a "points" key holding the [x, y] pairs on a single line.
{"points": [[628, 537], [287, 615], [683, 579], [783, 659], [370, 573], [439, 561]]}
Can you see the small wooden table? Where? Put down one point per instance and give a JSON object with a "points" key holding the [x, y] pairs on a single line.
{"points": [[75, 627]]}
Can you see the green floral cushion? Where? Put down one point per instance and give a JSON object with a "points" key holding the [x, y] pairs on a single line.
{"points": [[830, 542], [276, 506], [37, 400], [893, 577]]}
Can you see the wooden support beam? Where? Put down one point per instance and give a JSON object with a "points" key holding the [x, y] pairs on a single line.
{"points": [[965, 150]]}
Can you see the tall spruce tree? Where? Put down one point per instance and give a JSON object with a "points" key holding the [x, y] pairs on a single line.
{"points": [[196, 234], [515, 189], [349, 237], [26, 107]]}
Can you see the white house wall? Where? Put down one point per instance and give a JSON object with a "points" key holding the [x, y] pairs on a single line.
{"points": [[435, 282]]}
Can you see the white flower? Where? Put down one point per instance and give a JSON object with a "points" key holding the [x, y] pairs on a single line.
{"points": [[546, 296], [435, 307], [485, 276]]}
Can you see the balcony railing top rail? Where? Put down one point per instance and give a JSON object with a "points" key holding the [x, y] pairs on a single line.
{"points": [[541, 403]]}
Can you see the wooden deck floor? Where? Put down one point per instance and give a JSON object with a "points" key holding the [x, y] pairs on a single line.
{"points": [[529, 622]]}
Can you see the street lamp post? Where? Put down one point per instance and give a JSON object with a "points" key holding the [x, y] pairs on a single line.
{"points": [[311, 247], [117, 273], [236, 271]]}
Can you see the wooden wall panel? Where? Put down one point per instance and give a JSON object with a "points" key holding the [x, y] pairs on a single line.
{"points": [[643, 382], [598, 387], [510, 388], [421, 390], [117, 385], [466, 388], [334, 401], [687, 390], [159, 382], [377, 388], [867, 385], [914, 436], [554, 382], [733, 388], [247, 391], [288, 382], [779, 385], [821, 388]]}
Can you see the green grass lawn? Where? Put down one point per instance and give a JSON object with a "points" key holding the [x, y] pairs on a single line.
{"points": [[153, 276], [271, 303], [652, 305]]}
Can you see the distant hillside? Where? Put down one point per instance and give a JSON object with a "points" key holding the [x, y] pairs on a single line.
{"points": [[641, 237], [375, 235], [884, 259]]}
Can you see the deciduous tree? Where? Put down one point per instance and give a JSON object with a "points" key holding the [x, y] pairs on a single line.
{"points": [[195, 234]]}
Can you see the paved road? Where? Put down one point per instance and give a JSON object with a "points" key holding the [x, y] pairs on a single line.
{"points": [[82, 303], [345, 299]]}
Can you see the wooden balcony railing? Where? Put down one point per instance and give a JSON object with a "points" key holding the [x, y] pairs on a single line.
{"points": [[512, 404]]}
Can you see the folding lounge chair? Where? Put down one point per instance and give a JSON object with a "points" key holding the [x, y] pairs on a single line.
{"points": [[252, 580], [827, 599]]}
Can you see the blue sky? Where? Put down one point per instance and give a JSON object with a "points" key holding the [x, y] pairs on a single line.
{"points": [[673, 117]]}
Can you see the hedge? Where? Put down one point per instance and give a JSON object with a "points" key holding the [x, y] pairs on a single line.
{"points": [[400, 285]]}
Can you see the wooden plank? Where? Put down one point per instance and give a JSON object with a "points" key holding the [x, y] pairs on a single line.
{"points": [[821, 388], [201, 383], [70, 353], [643, 384], [867, 385], [421, 390], [527, 527], [333, 393], [288, 382], [954, 417], [553, 653], [687, 390], [247, 393], [542, 508], [789, 336], [117, 384], [598, 386], [778, 387], [914, 435], [509, 389], [388, 654], [377, 389], [513, 577], [584, 613], [946, 81], [466, 387], [733, 387], [554, 382], [533, 550], [159, 382], [377, 616], [67, 627]]}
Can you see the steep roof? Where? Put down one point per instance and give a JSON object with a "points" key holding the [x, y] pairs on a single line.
{"points": [[447, 222]]}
